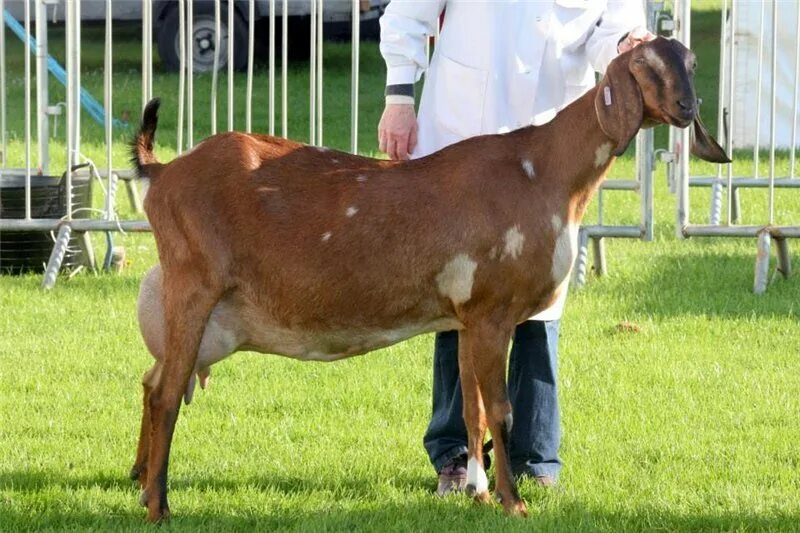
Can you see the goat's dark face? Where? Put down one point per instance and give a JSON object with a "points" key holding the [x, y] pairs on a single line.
{"points": [[653, 83]]}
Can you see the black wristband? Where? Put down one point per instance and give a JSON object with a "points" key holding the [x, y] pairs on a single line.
{"points": [[400, 89]]}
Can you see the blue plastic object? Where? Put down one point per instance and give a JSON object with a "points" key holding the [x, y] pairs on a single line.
{"points": [[89, 103]]}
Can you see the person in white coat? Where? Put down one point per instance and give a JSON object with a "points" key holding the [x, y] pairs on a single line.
{"points": [[497, 66]]}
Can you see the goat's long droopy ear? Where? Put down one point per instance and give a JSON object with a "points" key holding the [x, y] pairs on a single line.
{"points": [[619, 105], [705, 146]]}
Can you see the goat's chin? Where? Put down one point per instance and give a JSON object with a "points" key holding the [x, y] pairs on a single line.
{"points": [[650, 123]]}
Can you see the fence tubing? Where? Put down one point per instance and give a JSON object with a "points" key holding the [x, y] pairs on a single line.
{"points": [[42, 90], [731, 113], [271, 67], [108, 101], [3, 137], [251, 14], [355, 43], [757, 145], [773, 110], [231, 39], [190, 74], [319, 72], [312, 74], [27, 111], [215, 66], [793, 153], [181, 71], [285, 70]]}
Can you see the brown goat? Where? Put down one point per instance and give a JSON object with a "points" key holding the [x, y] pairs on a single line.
{"points": [[277, 247]]}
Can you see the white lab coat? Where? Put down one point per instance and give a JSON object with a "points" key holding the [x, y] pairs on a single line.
{"points": [[500, 65]]}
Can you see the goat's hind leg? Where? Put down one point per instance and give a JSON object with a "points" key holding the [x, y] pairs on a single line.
{"points": [[139, 470], [188, 302], [483, 353]]}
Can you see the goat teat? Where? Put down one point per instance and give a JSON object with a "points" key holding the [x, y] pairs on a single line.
{"points": [[653, 84]]}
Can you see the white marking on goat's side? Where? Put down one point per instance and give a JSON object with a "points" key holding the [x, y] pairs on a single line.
{"points": [[607, 95], [361, 178], [564, 251], [352, 210], [602, 154], [494, 253], [456, 278], [334, 161], [322, 148], [557, 223], [527, 166], [509, 422], [476, 476], [512, 243], [326, 236]]}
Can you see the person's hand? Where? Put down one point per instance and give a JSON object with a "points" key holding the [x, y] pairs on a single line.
{"points": [[397, 130], [634, 38]]}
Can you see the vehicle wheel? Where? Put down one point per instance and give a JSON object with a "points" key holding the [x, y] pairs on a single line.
{"points": [[203, 39]]}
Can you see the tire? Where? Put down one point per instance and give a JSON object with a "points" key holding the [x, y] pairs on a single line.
{"points": [[203, 30]]}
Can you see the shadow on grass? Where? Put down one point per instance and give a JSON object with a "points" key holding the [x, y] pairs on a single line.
{"points": [[708, 281], [358, 509]]}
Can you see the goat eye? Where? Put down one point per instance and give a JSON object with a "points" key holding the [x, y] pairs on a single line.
{"points": [[639, 61]]}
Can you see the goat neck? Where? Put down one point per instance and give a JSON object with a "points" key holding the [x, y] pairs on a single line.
{"points": [[571, 154]]}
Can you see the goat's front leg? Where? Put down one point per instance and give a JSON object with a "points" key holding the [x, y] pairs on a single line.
{"points": [[482, 359], [188, 302]]}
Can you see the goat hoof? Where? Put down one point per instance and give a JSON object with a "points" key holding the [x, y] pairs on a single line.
{"points": [[484, 498], [136, 472], [143, 498], [516, 508], [158, 516]]}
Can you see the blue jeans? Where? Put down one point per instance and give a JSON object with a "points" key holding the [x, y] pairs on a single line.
{"points": [[536, 432]]}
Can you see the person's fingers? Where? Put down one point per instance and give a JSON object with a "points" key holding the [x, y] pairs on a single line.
{"points": [[401, 147], [412, 140], [381, 140], [391, 149]]}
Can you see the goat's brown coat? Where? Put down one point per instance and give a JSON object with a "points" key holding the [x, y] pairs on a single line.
{"points": [[318, 254]]}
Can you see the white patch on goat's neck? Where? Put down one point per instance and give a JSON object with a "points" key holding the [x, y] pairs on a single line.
{"points": [[512, 243], [565, 249], [352, 210], [602, 154], [326, 236], [527, 166], [456, 279], [476, 476], [361, 178]]}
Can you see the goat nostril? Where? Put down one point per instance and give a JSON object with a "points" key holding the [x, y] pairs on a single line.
{"points": [[686, 104]]}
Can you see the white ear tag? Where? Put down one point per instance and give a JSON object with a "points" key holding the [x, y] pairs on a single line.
{"points": [[607, 95]]}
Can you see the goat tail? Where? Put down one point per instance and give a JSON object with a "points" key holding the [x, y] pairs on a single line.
{"points": [[142, 155]]}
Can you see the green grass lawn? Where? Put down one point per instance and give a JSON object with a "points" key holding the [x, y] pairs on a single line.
{"points": [[688, 422]]}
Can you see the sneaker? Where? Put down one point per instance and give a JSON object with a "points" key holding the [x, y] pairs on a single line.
{"points": [[453, 476]]}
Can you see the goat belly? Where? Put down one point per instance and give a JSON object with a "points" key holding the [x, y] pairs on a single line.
{"points": [[333, 345]]}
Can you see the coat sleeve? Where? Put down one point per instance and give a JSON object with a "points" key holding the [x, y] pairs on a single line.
{"points": [[620, 17], [405, 26]]}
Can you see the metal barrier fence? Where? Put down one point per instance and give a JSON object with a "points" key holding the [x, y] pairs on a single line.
{"points": [[726, 184], [112, 172]]}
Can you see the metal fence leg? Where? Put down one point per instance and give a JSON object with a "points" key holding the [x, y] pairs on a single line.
{"points": [[579, 277], [133, 195], [716, 204], [736, 206], [87, 248], [762, 263], [784, 259], [57, 256], [599, 255]]}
